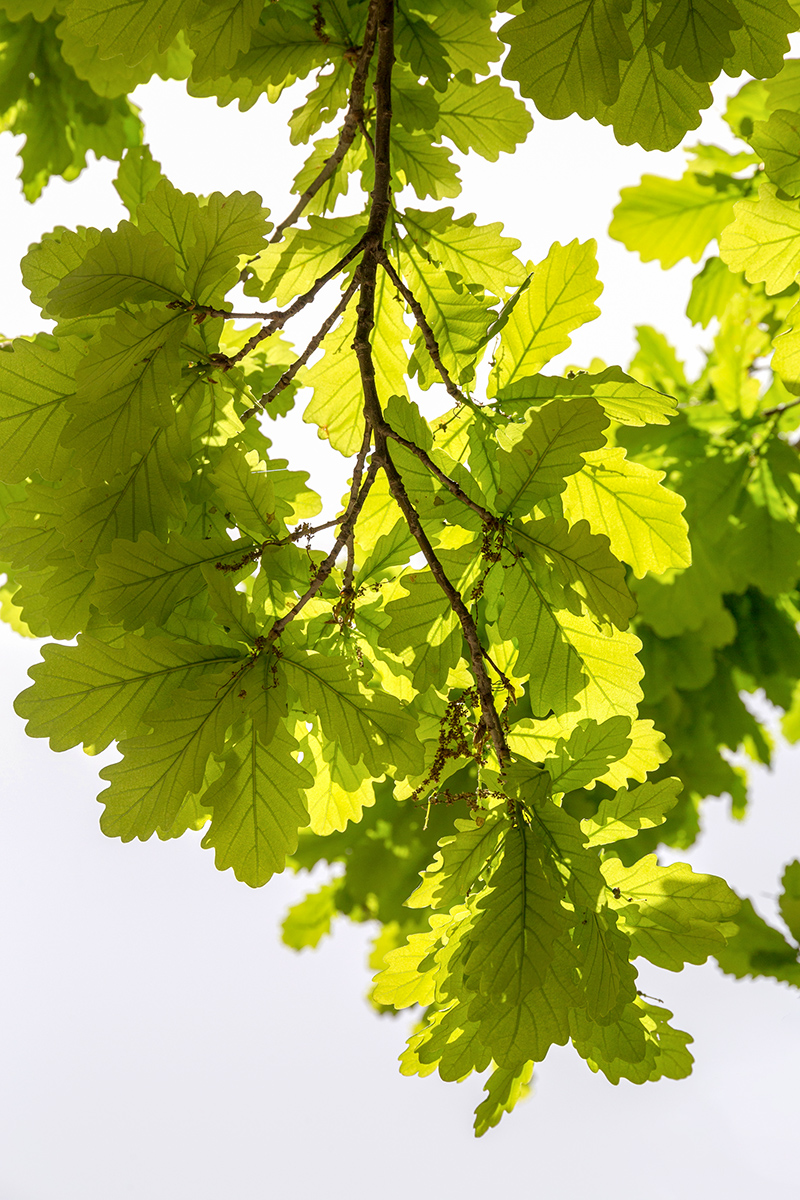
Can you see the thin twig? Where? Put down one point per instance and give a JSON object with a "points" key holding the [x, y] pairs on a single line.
{"points": [[304, 530], [326, 566], [201, 311], [506, 682], [349, 570], [476, 652], [450, 484], [278, 319], [367, 136], [431, 344], [780, 409], [358, 468], [289, 374], [355, 113]]}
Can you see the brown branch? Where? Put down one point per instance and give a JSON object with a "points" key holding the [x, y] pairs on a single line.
{"points": [[201, 311], [304, 530], [326, 566], [289, 374], [358, 468], [367, 272], [431, 344], [355, 113], [476, 652], [379, 211], [450, 484], [348, 592]]}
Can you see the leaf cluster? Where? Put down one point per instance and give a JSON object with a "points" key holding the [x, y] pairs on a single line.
{"points": [[467, 672]]}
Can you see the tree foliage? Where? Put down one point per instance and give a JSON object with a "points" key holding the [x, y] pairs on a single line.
{"points": [[510, 666]]}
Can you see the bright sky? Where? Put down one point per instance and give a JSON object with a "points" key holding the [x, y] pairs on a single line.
{"points": [[157, 1042]]}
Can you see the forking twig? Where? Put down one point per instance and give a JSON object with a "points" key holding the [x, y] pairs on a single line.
{"points": [[352, 121], [366, 275], [290, 372]]}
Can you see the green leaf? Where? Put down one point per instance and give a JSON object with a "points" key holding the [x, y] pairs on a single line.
{"points": [[414, 105], [469, 42], [777, 141], [424, 630], [308, 922], [627, 502], [36, 380], [224, 229], [607, 975], [623, 815], [372, 725], [484, 116], [535, 463], [781, 92], [337, 406], [427, 168], [458, 318], [126, 265], [448, 1042], [544, 653], [340, 791], [56, 602], [293, 265], [246, 490], [123, 392], [655, 106], [641, 1046], [505, 1088], [712, 289], [404, 981], [755, 948], [94, 692], [567, 57], [671, 219], [418, 45], [695, 35], [761, 42], [671, 914], [477, 253], [145, 580], [231, 609], [147, 498], [518, 923], [527, 1029], [130, 28], [578, 869], [159, 769], [790, 900], [169, 213], [221, 31], [258, 806], [647, 753], [49, 261], [623, 399], [138, 174], [459, 862], [587, 576], [560, 298], [587, 753], [610, 665], [764, 239]]}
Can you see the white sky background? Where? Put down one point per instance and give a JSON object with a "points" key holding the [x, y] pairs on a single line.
{"points": [[157, 1042]]}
